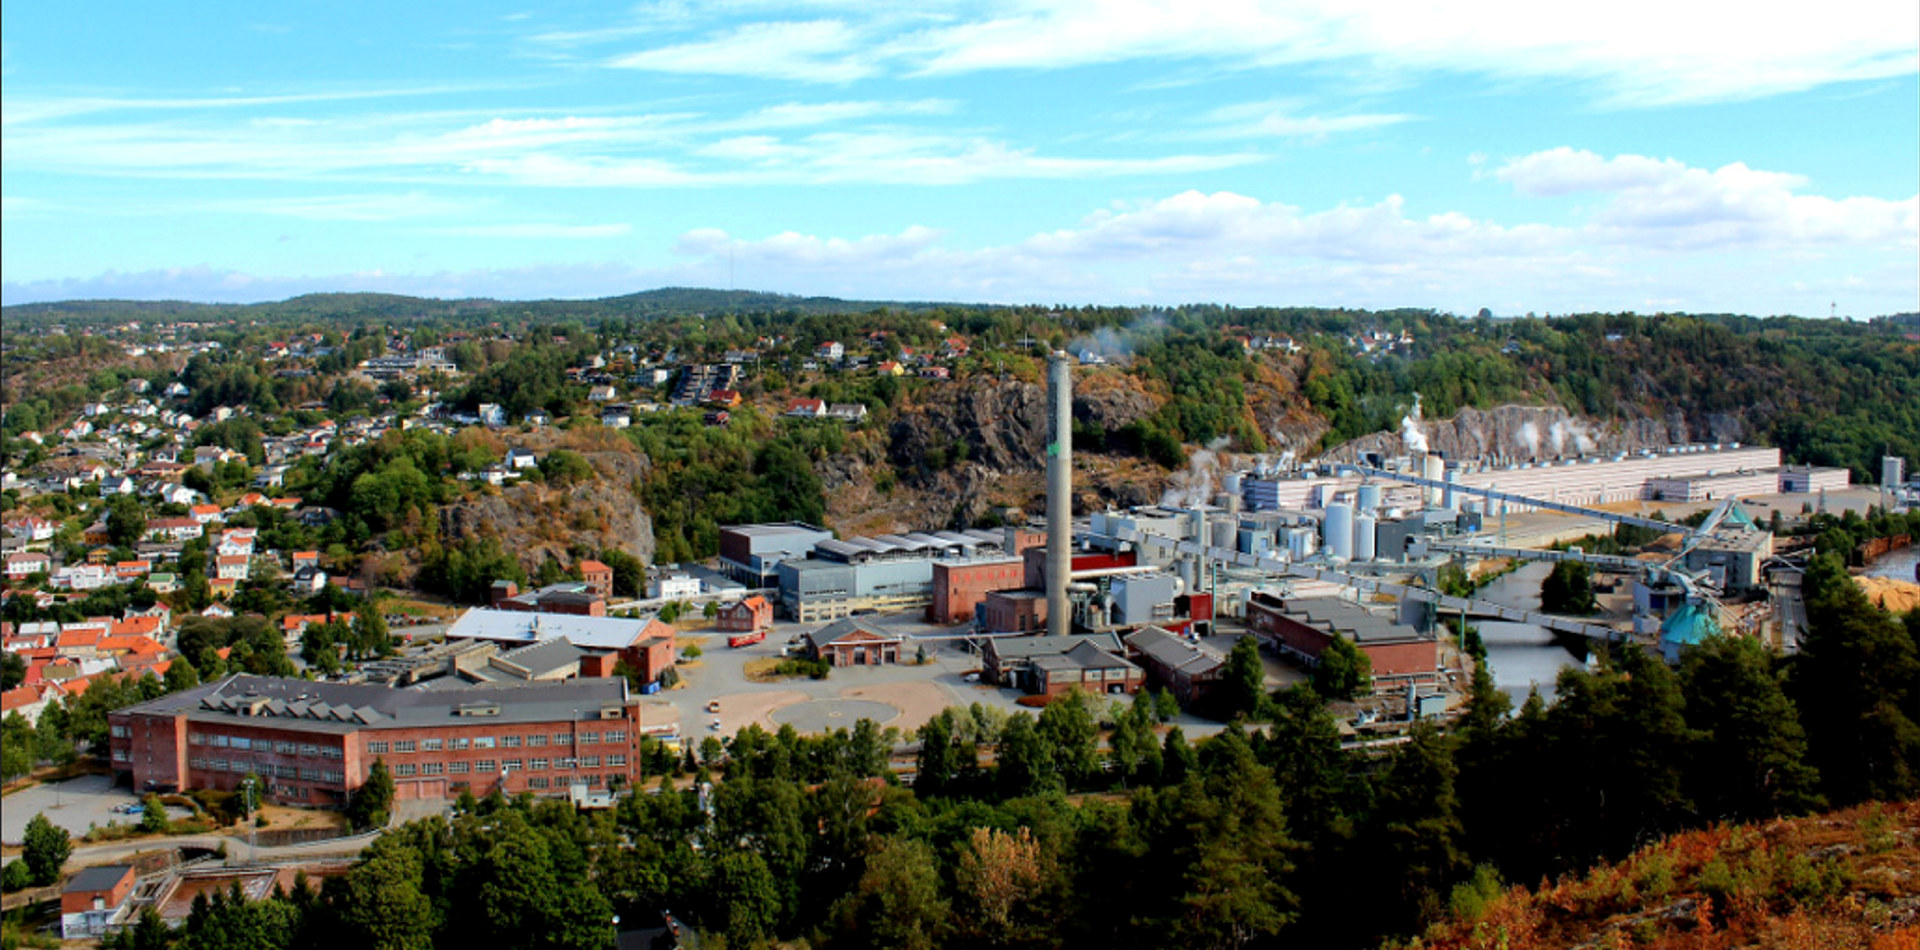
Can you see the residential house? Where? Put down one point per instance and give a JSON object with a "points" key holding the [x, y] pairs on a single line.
{"points": [[32, 528], [174, 529], [848, 412], [25, 564], [746, 616], [519, 459], [232, 567], [831, 351], [597, 576], [803, 409], [602, 394]]}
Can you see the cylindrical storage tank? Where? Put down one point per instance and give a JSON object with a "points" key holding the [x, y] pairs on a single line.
{"points": [[1368, 497], [1339, 530], [1230, 483], [1222, 533], [1435, 469], [1446, 496], [1299, 543], [1363, 528], [1196, 526]]}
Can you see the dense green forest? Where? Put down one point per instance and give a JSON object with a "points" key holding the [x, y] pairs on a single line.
{"points": [[1264, 834]]}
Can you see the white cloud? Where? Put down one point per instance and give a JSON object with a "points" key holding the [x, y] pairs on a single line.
{"points": [[861, 141], [1664, 201], [1634, 52], [806, 51], [537, 231], [1282, 119]]}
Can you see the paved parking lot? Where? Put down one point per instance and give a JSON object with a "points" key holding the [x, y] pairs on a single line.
{"points": [[76, 805], [913, 692]]}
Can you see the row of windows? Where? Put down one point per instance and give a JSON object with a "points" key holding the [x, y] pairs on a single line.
{"points": [[275, 746], [400, 746], [277, 771]]}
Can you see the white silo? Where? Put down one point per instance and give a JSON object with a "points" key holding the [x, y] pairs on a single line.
{"points": [[1434, 468], [1339, 529], [1363, 528], [1368, 496]]}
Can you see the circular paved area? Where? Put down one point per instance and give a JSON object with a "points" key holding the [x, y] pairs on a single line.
{"points": [[826, 715]]}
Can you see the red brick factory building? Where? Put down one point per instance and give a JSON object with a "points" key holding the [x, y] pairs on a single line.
{"points": [[314, 743], [1302, 628]]}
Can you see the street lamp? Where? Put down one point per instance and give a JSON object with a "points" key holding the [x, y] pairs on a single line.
{"points": [[253, 849]]}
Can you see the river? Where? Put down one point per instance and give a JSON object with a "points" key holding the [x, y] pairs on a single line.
{"points": [[1897, 565], [1521, 655]]}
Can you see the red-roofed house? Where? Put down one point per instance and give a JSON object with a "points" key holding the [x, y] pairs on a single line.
{"points": [[598, 577], [138, 626], [81, 639], [305, 559], [128, 570], [807, 408], [205, 514]]}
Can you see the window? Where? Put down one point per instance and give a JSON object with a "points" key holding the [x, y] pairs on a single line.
{"points": [[432, 768], [308, 748], [536, 740], [562, 738], [119, 732], [616, 761], [309, 775], [217, 740], [587, 737], [566, 763], [590, 762], [285, 748], [483, 742], [122, 755], [196, 738], [513, 765], [538, 781], [332, 752], [240, 742], [459, 768], [486, 765], [429, 745], [334, 777], [376, 748], [196, 763], [617, 735], [510, 742], [218, 765], [403, 745], [404, 770], [284, 771], [458, 744], [593, 779], [537, 765]]}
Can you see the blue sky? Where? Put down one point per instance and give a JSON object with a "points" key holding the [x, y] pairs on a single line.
{"points": [[1518, 156]]}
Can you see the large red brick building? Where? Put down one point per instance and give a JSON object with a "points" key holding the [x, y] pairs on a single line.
{"points": [[960, 586], [1303, 627], [314, 743]]}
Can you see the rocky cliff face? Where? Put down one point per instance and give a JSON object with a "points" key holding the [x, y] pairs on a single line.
{"points": [[536, 521], [1536, 433]]}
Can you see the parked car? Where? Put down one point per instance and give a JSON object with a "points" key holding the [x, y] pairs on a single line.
{"points": [[713, 706]]}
